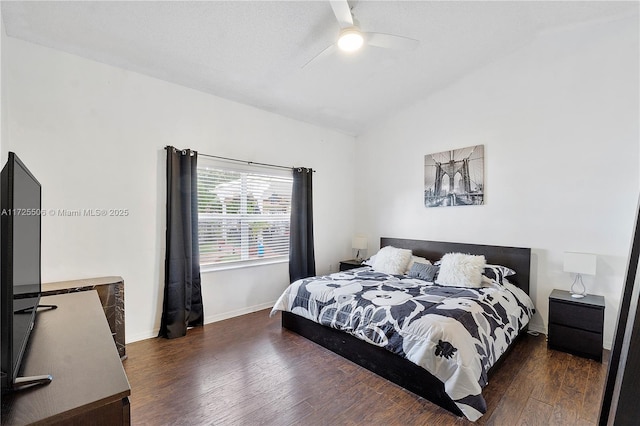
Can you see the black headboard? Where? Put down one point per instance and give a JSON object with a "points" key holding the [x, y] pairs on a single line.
{"points": [[516, 258]]}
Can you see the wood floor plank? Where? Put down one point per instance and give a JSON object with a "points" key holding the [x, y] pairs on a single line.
{"points": [[553, 370], [593, 393], [566, 408], [248, 371], [514, 400], [535, 413]]}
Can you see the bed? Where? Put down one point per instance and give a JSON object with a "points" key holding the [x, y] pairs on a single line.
{"points": [[440, 342]]}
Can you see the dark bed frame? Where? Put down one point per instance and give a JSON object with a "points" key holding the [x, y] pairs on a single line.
{"points": [[389, 365]]}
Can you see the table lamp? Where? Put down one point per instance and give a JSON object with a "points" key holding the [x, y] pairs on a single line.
{"points": [[359, 243], [579, 264]]}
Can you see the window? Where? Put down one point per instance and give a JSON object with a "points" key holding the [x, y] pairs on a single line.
{"points": [[243, 214]]}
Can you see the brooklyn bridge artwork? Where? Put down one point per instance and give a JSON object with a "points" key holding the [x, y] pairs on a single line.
{"points": [[454, 178]]}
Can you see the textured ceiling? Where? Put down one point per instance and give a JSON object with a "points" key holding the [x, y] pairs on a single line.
{"points": [[254, 51]]}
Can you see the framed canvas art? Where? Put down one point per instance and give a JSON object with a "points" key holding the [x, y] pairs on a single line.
{"points": [[455, 177]]}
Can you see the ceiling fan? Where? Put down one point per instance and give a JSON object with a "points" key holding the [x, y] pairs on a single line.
{"points": [[351, 38]]}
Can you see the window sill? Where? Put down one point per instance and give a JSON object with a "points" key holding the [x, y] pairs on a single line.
{"points": [[241, 265]]}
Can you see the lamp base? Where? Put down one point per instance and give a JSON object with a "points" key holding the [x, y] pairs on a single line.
{"points": [[578, 290]]}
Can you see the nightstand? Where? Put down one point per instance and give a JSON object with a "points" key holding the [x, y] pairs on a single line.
{"points": [[576, 325], [345, 265]]}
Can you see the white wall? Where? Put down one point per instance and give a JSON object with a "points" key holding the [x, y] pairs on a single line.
{"points": [[94, 136], [559, 121]]}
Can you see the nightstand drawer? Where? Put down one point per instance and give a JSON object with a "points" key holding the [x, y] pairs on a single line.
{"points": [[577, 316], [578, 342], [576, 325]]}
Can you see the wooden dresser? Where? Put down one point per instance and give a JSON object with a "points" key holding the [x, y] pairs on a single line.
{"points": [[111, 293], [73, 343]]}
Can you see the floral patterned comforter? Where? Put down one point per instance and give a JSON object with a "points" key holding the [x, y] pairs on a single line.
{"points": [[455, 333]]}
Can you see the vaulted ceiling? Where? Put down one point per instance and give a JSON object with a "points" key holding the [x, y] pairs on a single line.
{"points": [[254, 52]]}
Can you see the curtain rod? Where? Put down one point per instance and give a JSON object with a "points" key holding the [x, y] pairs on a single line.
{"points": [[245, 161]]}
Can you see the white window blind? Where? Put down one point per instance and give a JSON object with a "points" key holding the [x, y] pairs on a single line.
{"points": [[243, 213]]}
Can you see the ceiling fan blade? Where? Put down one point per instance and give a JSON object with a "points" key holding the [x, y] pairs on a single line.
{"points": [[326, 52], [343, 13], [390, 41]]}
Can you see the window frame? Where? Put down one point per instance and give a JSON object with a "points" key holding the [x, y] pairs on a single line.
{"points": [[244, 170]]}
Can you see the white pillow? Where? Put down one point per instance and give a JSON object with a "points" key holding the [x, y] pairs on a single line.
{"points": [[416, 259], [391, 260], [370, 261], [461, 270]]}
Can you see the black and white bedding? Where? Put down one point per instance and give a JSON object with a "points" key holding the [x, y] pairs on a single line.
{"points": [[455, 333]]}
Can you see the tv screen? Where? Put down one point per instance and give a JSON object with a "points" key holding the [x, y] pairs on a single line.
{"points": [[20, 262]]}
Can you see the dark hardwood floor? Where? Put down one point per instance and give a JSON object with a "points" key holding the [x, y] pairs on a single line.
{"points": [[249, 371]]}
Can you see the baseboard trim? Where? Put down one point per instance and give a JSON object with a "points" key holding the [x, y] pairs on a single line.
{"points": [[207, 320], [238, 312]]}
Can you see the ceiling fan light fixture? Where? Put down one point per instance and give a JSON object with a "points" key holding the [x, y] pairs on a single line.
{"points": [[350, 39]]}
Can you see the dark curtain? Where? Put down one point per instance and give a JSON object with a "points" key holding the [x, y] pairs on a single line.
{"points": [[182, 306], [302, 261]]}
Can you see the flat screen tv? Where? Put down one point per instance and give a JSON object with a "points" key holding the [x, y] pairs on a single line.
{"points": [[20, 199]]}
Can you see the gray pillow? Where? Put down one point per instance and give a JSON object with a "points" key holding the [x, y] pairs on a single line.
{"points": [[423, 271]]}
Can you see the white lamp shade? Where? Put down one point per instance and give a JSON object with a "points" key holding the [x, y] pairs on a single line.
{"points": [[359, 243], [580, 263]]}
